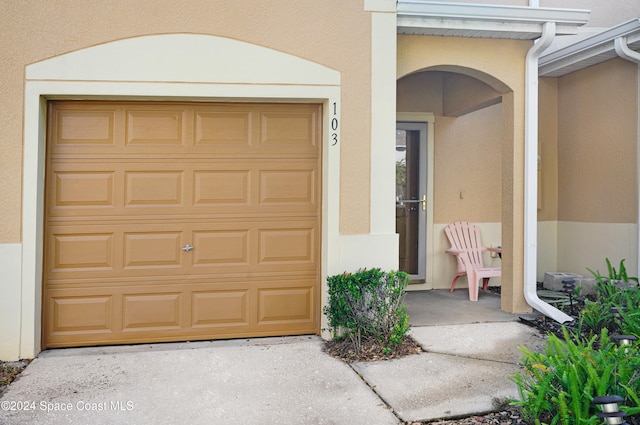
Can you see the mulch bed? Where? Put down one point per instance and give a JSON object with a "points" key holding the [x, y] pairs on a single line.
{"points": [[9, 371], [372, 350]]}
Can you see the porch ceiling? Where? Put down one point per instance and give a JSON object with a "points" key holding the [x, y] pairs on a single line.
{"points": [[484, 20], [588, 51]]}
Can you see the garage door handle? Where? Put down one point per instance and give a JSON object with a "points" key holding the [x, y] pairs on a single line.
{"points": [[187, 248]]}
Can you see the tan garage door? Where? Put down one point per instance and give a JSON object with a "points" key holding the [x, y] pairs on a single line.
{"points": [[171, 221]]}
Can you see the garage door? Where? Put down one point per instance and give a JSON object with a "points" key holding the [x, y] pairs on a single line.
{"points": [[171, 221]]}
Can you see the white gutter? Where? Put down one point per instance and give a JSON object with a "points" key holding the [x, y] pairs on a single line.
{"points": [[531, 176], [623, 50], [588, 51]]}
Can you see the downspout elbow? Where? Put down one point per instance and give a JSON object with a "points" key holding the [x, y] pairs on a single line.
{"points": [[531, 180], [624, 51]]}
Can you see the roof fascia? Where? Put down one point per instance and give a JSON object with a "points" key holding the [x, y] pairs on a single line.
{"points": [[488, 20], [589, 51]]}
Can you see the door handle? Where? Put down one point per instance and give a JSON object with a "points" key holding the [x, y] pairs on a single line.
{"points": [[424, 202], [187, 248]]}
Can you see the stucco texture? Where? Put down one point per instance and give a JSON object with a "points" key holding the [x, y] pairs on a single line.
{"points": [[597, 138], [499, 64], [33, 31], [548, 149], [469, 148]]}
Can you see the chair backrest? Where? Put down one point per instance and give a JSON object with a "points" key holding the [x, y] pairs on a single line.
{"points": [[465, 237]]}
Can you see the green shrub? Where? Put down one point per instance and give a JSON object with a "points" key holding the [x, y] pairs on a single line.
{"points": [[368, 304], [557, 386]]}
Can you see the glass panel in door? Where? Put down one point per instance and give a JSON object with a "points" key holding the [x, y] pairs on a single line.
{"points": [[410, 197]]}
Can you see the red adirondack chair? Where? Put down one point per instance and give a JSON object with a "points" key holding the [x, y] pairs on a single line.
{"points": [[467, 247]]}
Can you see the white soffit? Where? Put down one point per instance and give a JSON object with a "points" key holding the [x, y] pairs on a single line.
{"points": [[589, 51], [484, 20]]}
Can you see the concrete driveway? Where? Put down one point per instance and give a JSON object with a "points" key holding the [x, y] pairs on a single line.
{"points": [[259, 381], [287, 380]]}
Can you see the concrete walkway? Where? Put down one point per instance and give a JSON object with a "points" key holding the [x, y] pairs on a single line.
{"points": [[287, 380]]}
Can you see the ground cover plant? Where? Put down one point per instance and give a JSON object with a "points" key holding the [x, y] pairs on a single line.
{"points": [[583, 359]]}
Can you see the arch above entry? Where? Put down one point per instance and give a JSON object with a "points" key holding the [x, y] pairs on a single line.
{"points": [[488, 79]]}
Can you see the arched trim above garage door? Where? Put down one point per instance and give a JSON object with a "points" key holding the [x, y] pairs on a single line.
{"points": [[163, 67], [183, 58]]}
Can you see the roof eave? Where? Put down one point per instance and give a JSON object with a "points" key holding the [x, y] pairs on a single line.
{"points": [[589, 51], [484, 20]]}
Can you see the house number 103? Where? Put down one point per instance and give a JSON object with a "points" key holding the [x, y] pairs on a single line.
{"points": [[334, 125]]}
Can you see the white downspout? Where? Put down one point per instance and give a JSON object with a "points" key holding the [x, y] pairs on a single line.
{"points": [[623, 50], [531, 176]]}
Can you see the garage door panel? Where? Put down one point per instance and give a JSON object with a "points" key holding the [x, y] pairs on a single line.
{"points": [[287, 187], [221, 188], [83, 189], [191, 129], [253, 188], [81, 252], [285, 306], [152, 311], [289, 131], [248, 246], [154, 189], [221, 247], [152, 250], [175, 221], [151, 127], [173, 310], [226, 131], [80, 314], [287, 245], [220, 308], [81, 127]]}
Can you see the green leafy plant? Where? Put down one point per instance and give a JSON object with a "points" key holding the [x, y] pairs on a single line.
{"points": [[557, 386], [619, 275], [368, 304], [630, 323], [594, 317]]}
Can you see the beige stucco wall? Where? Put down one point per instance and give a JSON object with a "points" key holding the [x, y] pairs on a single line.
{"points": [[500, 64], [597, 136], [588, 149], [315, 32], [547, 250], [598, 166], [468, 167], [548, 149]]}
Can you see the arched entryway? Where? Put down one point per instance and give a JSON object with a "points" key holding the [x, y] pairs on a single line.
{"points": [[478, 105]]}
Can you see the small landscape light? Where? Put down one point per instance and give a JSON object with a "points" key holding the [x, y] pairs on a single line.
{"points": [[625, 339], [610, 410], [616, 311], [569, 286]]}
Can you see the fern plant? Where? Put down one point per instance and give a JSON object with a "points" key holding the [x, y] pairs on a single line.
{"points": [[557, 386]]}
